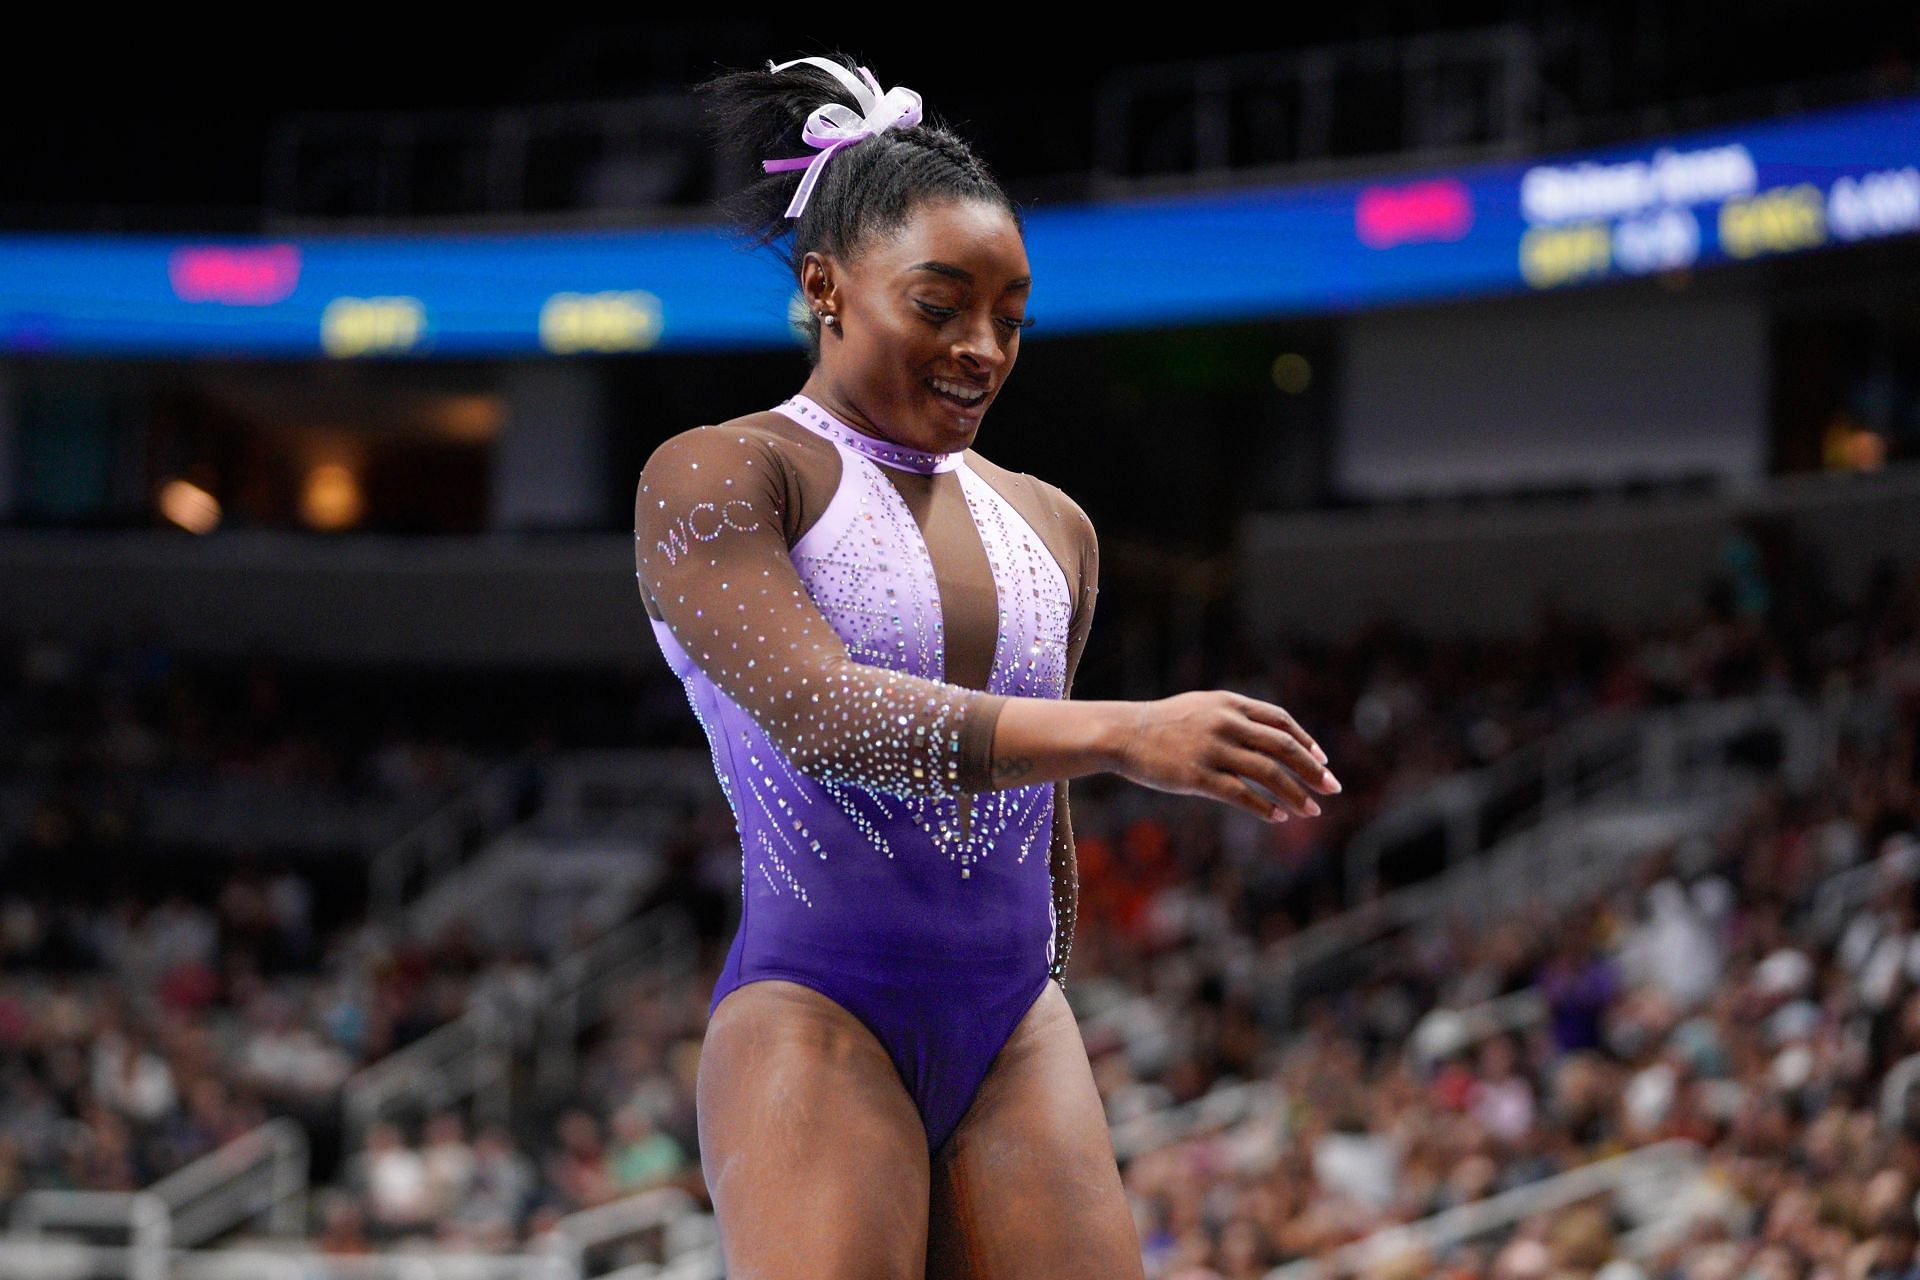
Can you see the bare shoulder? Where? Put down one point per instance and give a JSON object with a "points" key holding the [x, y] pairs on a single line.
{"points": [[768, 441], [767, 425], [762, 431], [1046, 497]]}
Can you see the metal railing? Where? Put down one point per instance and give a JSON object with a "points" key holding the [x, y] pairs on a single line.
{"points": [[685, 1245], [468, 1060], [1648, 755], [1896, 1092], [443, 842], [1845, 892], [1648, 1184], [584, 790], [1445, 1032], [1600, 792], [261, 1174], [46, 1258], [141, 1214], [620, 156], [1262, 111], [1219, 1108], [584, 987], [684, 1237], [472, 1058]]}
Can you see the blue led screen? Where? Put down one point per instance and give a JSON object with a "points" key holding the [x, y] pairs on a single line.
{"points": [[1726, 195]]}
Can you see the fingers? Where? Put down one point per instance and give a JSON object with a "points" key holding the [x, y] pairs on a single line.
{"points": [[1280, 718], [1269, 773], [1234, 790], [1288, 749]]}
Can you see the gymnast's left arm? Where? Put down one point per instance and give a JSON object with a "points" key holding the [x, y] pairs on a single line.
{"points": [[1061, 856]]}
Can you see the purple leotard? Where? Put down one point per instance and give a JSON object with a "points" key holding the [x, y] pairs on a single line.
{"points": [[849, 617]]}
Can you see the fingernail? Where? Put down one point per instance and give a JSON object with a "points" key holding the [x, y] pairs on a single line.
{"points": [[1318, 754], [1313, 807], [1333, 783], [1279, 814]]}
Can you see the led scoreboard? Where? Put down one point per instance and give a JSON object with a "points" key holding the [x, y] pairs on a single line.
{"points": [[1729, 195]]}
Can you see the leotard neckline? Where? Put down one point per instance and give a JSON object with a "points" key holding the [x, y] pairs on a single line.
{"points": [[805, 410]]}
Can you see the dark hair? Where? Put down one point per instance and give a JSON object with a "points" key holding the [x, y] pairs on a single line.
{"points": [[869, 188]]}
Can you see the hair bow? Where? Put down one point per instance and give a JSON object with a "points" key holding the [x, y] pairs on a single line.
{"points": [[833, 125]]}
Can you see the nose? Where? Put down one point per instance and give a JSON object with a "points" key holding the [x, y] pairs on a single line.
{"points": [[978, 347]]}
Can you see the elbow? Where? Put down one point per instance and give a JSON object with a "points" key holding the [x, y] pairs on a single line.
{"points": [[876, 729], [855, 768]]}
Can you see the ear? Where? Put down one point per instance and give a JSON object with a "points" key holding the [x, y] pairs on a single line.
{"points": [[818, 280]]}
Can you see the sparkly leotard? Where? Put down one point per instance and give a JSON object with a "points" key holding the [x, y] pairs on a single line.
{"points": [[849, 617]]}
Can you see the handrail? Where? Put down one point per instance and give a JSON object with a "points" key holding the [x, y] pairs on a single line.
{"points": [[1672, 757], [42, 1256], [1896, 1089], [1652, 754], [1218, 1108], [1641, 1171], [1456, 804], [469, 1057], [223, 1188], [705, 1263], [142, 1213], [663, 1209], [1556, 863], [580, 990], [310, 1264], [1474, 1025], [1844, 892], [579, 781], [432, 847], [472, 1056]]}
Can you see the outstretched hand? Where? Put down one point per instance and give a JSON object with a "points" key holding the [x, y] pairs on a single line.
{"points": [[1218, 743]]}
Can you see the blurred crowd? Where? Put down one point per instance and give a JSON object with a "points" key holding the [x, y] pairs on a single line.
{"points": [[136, 1037], [1710, 1007], [1699, 998], [142, 709]]}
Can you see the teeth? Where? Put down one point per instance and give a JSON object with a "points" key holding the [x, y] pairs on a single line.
{"points": [[962, 391]]}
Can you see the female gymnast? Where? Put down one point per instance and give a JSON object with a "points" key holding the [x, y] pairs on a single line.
{"points": [[878, 630]]}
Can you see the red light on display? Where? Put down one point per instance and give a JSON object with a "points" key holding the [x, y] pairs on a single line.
{"points": [[240, 276], [1441, 209]]}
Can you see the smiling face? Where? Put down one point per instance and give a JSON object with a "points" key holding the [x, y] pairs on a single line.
{"points": [[941, 303]]}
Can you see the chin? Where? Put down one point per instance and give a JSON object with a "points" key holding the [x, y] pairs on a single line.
{"points": [[948, 422]]}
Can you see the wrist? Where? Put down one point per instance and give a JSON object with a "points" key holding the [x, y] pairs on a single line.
{"points": [[1112, 731]]}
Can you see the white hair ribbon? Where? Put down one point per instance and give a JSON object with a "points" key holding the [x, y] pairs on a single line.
{"points": [[833, 125]]}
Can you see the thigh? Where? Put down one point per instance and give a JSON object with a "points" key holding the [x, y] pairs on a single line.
{"points": [[1027, 1185], [813, 1152]]}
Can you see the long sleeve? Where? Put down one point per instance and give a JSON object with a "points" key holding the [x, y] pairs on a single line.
{"points": [[711, 552], [1061, 855]]}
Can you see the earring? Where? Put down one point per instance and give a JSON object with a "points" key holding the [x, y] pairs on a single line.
{"points": [[827, 319]]}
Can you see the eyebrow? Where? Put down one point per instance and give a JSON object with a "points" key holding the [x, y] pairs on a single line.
{"points": [[959, 273]]}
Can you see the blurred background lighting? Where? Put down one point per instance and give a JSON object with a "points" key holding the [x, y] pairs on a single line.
{"points": [[189, 506], [1291, 373], [332, 498]]}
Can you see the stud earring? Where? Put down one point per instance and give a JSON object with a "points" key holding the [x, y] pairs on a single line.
{"points": [[827, 319]]}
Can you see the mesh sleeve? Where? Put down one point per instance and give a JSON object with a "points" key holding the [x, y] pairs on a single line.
{"points": [[1061, 856], [711, 552]]}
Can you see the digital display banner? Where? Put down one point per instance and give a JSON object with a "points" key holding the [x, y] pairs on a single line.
{"points": [[1727, 195]]}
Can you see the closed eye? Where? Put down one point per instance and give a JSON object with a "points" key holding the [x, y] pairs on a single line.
{"points": [[943, 314]]}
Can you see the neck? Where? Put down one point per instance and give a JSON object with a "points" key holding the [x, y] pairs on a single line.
{"points": [[822, 418], [828, 392], [824, 393]]}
